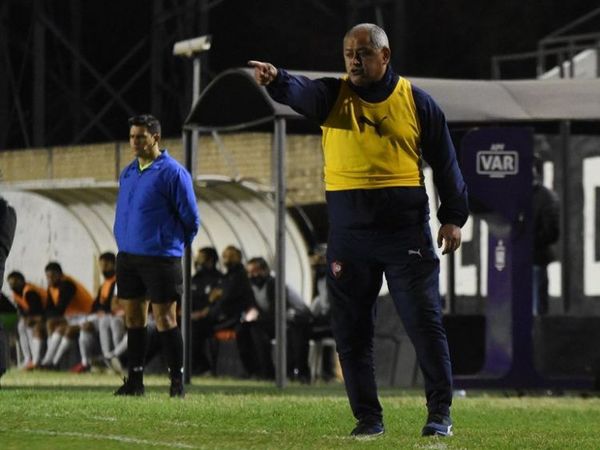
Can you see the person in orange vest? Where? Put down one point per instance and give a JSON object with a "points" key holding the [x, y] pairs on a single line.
{"points": [[69, 303], [30, 301], [106, 324]]}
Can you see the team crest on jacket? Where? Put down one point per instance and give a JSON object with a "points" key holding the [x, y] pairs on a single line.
{"points": [[336, 269]]}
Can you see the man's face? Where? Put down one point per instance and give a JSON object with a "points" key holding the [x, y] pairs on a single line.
{"points": [[142, 141], [53, 278], [256, 275], [16, 285], [230, 257], [364, 64], [254, 271], [107, 267], [203, 261]]}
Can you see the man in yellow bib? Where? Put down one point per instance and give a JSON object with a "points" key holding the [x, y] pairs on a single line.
{"points": [[377, 131]]}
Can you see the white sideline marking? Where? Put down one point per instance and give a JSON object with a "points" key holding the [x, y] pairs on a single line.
{"points": [[106, 437], [435, 446]]}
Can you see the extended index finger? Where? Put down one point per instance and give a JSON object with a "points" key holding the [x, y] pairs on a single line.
{"points": [[253, 63]]}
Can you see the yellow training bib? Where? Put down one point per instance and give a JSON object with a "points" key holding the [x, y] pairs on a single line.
{"points": [[372, 145]]}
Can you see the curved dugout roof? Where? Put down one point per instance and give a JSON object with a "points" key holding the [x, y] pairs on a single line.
{"points": [[233, 100], [72, 223]]}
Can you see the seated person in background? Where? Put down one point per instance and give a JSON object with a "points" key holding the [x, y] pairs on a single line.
{"points": [[321, 310], [69, 303], [258, 327], [30, 301], [105, 324], [233, 296], [206, 278]]}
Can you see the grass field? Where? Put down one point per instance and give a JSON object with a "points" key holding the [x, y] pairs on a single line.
{"points": [[65, 411]]}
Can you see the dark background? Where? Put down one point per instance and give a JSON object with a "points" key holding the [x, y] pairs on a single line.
{"points": [[429, 38]]}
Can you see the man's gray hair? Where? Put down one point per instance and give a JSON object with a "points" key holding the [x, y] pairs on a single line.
{"points": [[378, 37]]}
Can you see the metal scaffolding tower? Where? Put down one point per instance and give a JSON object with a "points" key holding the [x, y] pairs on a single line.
{"points": [[60, 85]]}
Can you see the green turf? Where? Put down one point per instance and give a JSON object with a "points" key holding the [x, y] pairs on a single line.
{"points": [[68, 411]]}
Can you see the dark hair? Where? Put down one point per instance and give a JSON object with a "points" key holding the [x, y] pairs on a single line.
{"points": [[260, 262], [233, 248], [211, 253], [108, 256], [146, 120], [18, 275], [53, 266]]}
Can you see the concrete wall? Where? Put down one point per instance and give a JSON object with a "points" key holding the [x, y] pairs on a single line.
{"points": [[244, 155]]}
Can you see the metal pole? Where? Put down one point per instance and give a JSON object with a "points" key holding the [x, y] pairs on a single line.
{"points": [[571, 60], [565, 134], [76, 116], [495, 68], [598, 58], [156, 72], [561, 64], [5, 92], [280, 295], [540, 60], [195, 96], [190, 145], [39, 75], [186, 303]]}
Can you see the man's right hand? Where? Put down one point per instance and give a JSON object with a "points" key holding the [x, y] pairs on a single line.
{"points": [[264, 72]]}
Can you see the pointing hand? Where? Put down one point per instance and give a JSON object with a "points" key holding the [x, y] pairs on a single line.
{"points": [[264, 72]]}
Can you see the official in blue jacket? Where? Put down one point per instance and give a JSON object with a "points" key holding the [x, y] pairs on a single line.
{"points": [[156, 217], [378, 129]]}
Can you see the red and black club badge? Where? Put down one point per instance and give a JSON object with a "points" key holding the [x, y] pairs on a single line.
{"points": [[336, 269]]}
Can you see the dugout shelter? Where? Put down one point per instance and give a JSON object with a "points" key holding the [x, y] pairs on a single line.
{"points": [[234, 102]]}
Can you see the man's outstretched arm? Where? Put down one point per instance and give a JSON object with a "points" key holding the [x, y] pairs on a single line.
{"points": [[311, 98]]}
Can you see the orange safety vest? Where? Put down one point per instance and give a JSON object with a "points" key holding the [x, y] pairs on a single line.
{"points": [[81, 303], [21, 300]]}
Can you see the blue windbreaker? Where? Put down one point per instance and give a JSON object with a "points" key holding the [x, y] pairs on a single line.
{"points": [[157, 214]]}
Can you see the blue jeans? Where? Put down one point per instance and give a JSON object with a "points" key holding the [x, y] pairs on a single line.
{"points": [[357, 261]]}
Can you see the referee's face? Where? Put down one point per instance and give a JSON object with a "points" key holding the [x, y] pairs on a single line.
{"points": [[364, 63], [142, 141]]}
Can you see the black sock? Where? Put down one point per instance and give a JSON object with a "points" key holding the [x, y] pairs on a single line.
{"points": [[136, 351], [172, 350]]}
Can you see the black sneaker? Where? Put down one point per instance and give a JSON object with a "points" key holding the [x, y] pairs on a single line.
{"points": [[437, 425], [176, 389], [129, 388], [365, 430]]}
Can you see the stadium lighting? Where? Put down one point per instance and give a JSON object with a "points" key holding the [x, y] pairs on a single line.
{"points": [[191, 47]]}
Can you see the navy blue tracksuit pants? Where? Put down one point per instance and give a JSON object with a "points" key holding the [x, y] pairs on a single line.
{"points": [[357, 261]]}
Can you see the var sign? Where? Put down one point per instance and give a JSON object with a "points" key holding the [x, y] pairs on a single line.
{"points": [[497, 162]]}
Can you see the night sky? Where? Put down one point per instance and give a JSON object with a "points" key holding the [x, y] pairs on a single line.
{"points": [[429, 38]]}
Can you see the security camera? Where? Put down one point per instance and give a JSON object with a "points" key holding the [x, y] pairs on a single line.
{"points": [[193, 46]]}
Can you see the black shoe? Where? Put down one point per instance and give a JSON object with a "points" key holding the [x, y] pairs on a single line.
{"points": [[129, 388], [437, 425], [176, 389], [365, 429]]}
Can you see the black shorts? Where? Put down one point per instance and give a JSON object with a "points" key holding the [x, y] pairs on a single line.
{"points": [[157, 278]]}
